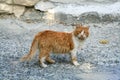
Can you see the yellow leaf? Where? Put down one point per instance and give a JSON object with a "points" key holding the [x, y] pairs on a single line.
{"points": [[104, 41]]}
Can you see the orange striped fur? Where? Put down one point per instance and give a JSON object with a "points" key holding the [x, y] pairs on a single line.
{"points": [[57, 42]]}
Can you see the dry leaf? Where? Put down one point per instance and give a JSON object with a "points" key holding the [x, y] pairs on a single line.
{"points": [[104, 41]]}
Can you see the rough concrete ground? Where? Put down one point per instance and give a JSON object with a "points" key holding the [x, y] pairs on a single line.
{"points": [[98, 61]]}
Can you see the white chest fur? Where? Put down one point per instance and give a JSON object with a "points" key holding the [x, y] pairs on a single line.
{"points": [[77, 43]]}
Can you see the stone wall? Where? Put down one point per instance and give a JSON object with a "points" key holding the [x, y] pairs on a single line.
{"points": [[16, 7], [68, 11]]}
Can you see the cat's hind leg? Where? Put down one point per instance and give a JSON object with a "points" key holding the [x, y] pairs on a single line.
{"points": [[42, 56], [45, 56]]}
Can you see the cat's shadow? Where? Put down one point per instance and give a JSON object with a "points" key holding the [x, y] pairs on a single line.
{"points": [[61, 58]]}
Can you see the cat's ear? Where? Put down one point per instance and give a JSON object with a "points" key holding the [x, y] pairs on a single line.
{"points": [[78, 25], [88, 27], [75, 25]]}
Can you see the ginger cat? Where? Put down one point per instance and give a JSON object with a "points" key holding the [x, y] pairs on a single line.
{"points": [[57, 42]]}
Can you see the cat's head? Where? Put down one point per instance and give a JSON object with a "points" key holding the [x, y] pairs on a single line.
{"points": [[81, 32]]}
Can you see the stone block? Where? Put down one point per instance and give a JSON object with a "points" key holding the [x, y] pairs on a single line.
{"points": [[17, 10], [44, 6], [20, 2]]}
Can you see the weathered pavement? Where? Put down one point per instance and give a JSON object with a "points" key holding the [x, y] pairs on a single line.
{"points": [[98, 61]]}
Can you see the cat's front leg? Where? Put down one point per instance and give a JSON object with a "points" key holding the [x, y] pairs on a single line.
{"points": [[74, 57]]}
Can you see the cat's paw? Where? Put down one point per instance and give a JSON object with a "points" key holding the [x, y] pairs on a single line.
{"points": [[43, 65], [76, 63], [49, 60]]}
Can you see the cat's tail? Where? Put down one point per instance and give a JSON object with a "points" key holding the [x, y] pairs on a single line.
{"points": [[34, 47]]}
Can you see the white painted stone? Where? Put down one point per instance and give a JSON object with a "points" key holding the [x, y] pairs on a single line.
{"points": [[77, 10], [82, 1], [44, 6]]}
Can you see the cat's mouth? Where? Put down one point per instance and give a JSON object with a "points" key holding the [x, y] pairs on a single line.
{"points": [[81, 38]]}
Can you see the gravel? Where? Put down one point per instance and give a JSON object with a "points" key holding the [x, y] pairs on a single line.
{"points": [[98, 61]]}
